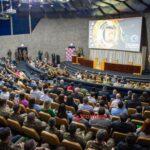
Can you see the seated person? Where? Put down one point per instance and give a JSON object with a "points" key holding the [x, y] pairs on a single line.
{"points": [[35, 123], [101, 120], [114, 103], [120, 110], [47, 108], [91, 97], [33, 105], [73, 137], [130, 143], [62, 113], [70, 102], [134, 102], [5, 111], [123, 125], [23, 100], [52, 128], [85, 105], [138, 115], [100, 142], [144, 131], [16, 114]]}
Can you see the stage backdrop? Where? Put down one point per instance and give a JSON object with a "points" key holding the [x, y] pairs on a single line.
{"points": [[117, 34]]}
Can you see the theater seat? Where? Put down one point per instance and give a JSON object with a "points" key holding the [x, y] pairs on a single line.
{"points": [[131, 111], [60, 122], [144, 104], [32, 110], [94, 129], [54, 105], [14, 125], [10, 104], [50, 138], [71, 145], [118, 136], [143, 141], [53, 96], [3, 121], [137, 122], [80, 125], [44, 116], [30, 133], [115, 118], [146, 114], [69, 108]]}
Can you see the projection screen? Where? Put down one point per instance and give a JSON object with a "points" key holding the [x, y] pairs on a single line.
{"points": [[116, 34]]}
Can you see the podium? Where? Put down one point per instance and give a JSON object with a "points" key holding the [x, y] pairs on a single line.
{"points": [[22, 53]]}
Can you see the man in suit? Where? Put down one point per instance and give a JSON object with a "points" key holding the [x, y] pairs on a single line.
{"points": [[123, 125]]}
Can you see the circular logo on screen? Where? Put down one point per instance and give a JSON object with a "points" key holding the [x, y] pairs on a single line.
{"points": [[106, 33]]}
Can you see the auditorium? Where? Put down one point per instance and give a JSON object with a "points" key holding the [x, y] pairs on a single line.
{"points": [[74, 74]]}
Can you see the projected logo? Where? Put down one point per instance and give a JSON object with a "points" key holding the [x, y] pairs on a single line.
{"points": [[105, 34]]}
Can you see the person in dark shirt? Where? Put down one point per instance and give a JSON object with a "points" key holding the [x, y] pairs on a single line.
{"points": [[16, 114], [138, 115], [73, 137], [129, 144], [133, 102], [70, 102], [123, 125], [52, 128]]}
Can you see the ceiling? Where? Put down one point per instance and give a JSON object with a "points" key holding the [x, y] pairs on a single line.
{"points": [[77, 8]]}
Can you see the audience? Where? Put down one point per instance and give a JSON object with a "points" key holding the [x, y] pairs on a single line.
{"points": [[99, 104]]}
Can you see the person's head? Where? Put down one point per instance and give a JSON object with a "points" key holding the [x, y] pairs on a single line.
{"points": [[31, 102], [114, 91], [30, 145], [70, 99], [45, 91], [102, 103], [34, 88], [77, 89], [134, 96], [47, 104], [118, 96], [146, 126], [123, 117], [16, 109], [5, 134], [138, 109], [3, 103], [129, 93], [4, 89], [62, 109], [101, 135], [21, 96], [93, 94], [11, 96], [101, 111], [85, 100], [61, 98], [61, 82], [31, 117], [72, 129], [120, 104], [130, 139], [52, 122]]}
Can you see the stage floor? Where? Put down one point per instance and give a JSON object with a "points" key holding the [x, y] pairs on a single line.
{"points": [[76, 67]]}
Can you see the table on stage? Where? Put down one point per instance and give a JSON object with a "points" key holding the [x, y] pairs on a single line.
{"points": [[125, 68], [83, 61]]}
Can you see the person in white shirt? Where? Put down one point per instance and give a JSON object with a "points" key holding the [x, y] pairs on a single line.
{"points": [[115, 102], [85, 105], [45, 97]]}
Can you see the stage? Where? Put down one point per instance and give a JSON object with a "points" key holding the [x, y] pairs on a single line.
{"points": [[73, 68]]}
